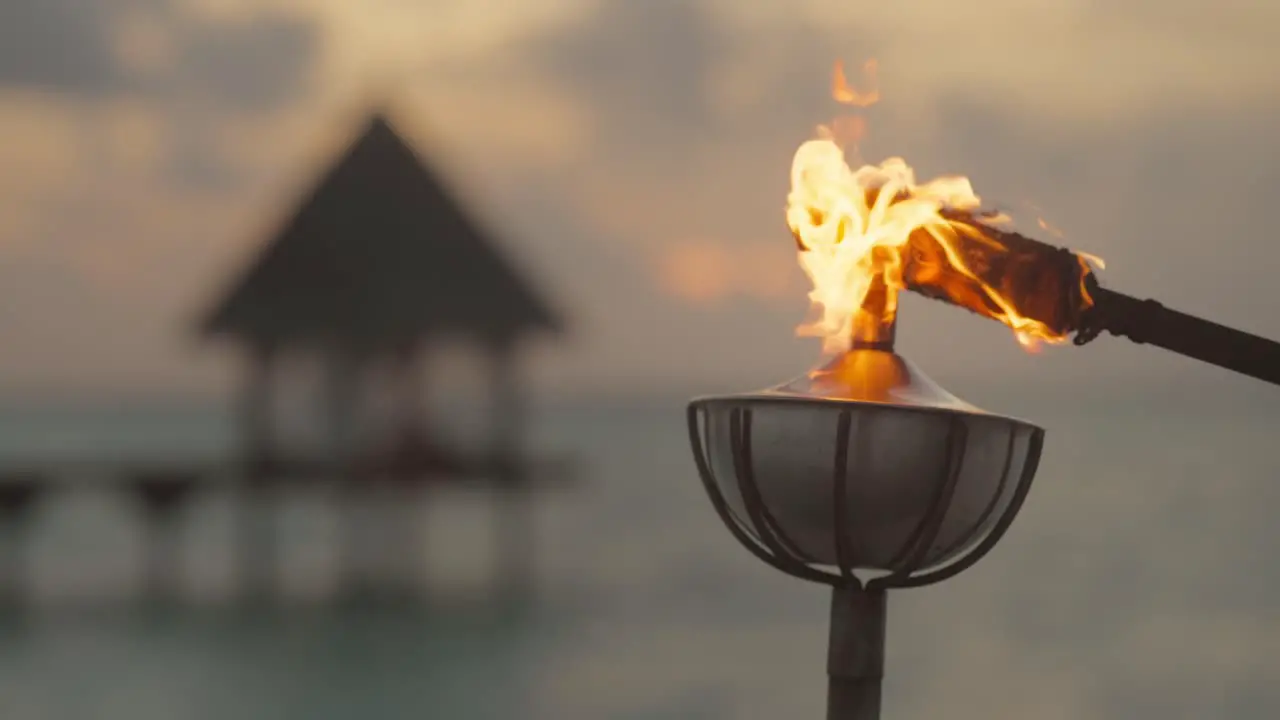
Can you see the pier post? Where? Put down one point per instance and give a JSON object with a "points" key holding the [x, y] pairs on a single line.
{"points": [[341, 399], [19, 492], [162, 497], [409, 474]]}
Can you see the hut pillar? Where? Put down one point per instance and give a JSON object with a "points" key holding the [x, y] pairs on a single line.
{"points": [[514, 518], [341, 400], [257, 536], [406, 546]]}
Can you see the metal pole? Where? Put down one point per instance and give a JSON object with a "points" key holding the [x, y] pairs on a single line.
{"points": [[855, 654]]}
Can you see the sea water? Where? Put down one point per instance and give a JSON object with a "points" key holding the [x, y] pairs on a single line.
{"points": [[1140, 581]]}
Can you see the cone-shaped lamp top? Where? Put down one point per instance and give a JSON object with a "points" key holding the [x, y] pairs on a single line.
{"points": [[872, 376], [870, 371]]}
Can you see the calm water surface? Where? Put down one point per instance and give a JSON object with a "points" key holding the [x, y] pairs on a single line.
{"points": [[1139, 582]]}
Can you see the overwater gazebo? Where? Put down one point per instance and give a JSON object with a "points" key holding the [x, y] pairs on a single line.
{"points": [[378, 264]]}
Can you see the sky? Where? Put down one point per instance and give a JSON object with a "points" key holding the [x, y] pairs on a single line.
{"points": [[634, 154], [635, 157]]}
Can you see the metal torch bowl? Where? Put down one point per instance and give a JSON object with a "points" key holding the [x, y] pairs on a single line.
{"points": [[905, 494]]}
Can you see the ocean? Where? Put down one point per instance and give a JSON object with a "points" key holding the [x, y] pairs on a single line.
{"points": [[1139, 582]]}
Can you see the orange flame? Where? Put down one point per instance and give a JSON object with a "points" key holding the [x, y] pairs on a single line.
{"points": [[857, 230], [845, 94], [1051, 229]]}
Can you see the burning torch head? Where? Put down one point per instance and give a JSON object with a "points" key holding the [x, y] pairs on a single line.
{"points": [[864, 464]]}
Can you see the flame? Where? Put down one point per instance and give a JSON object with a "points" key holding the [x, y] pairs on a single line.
{"points": [[859, 230], [1051, 229], [843, 93], [1091, 260]]}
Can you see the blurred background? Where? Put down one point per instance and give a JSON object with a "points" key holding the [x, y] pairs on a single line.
{"points": [[551, 554]]}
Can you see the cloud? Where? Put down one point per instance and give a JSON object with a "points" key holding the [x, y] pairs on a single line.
{"points": [[644, 67], [710, 273], [690, 120], [156, 48], [253, 64], [666, 78], [157, 75], [643, 125], [1167, 199], [57, 43], [47, 155]]}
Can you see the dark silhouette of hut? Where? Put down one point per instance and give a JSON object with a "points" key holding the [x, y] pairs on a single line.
{"points": [[379, 262]]}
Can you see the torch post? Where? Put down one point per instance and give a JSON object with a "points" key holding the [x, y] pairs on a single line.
{"points": [[856, 636], [855, 653]]}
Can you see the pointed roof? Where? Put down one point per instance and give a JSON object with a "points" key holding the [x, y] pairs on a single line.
{"points": [[380, 254]]}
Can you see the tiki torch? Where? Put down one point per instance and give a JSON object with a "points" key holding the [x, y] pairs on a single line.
{"points": [[866, 476], [863, 474]]}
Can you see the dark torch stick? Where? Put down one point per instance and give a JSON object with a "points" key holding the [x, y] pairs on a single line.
{"points": [[1054, 286]]}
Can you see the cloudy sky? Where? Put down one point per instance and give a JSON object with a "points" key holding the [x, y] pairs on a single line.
{"points": [[633, 154]]}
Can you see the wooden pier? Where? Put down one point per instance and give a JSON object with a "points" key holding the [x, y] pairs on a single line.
{"points": [[159, 497]]}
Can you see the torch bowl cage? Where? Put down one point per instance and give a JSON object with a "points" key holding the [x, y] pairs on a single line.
{"points": [[862, 494]]}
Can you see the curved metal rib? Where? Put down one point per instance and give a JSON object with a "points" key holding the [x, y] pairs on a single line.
{"points": [[917, 546], [726, 516], [1035, 445], [766, 525], [981, 522], [840, 492]]}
